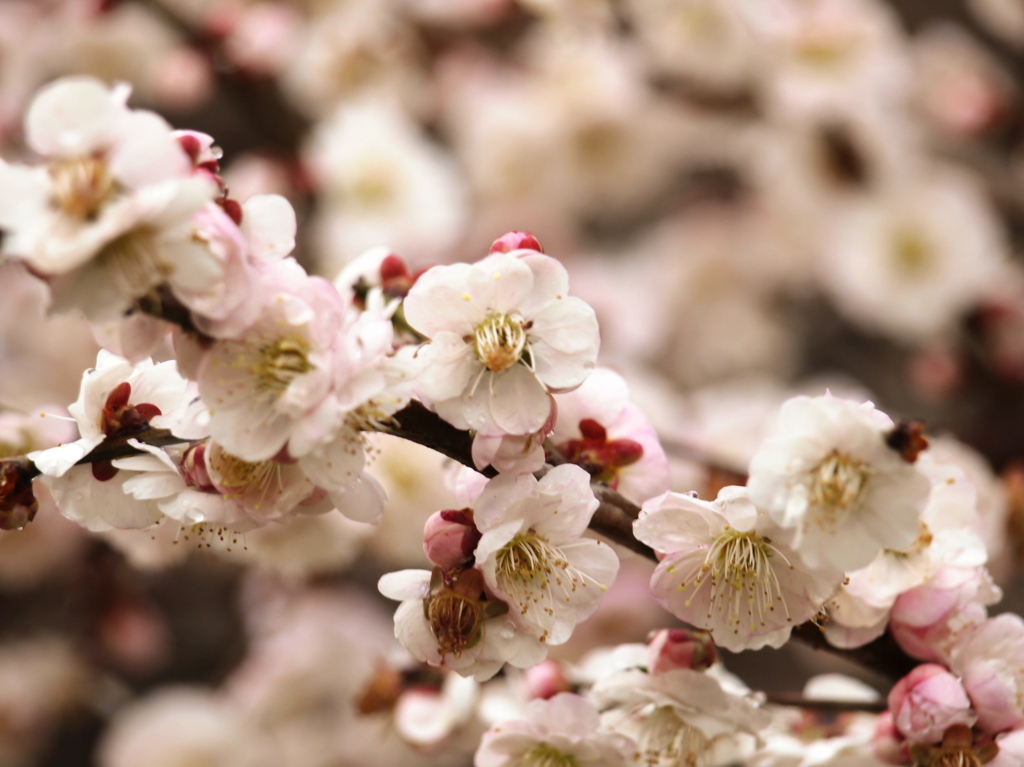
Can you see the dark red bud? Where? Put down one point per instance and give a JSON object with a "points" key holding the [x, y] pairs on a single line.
{"points": [[18, 504]]}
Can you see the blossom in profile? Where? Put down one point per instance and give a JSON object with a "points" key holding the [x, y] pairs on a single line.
{"points": [[828, 474], [504, 332], [564, 731], [452, 621], [727, 567]]}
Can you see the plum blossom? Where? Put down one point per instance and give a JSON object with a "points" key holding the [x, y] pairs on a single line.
{"points": [[302, 382], [504, 333], [680, 716], [930, 620], [860, 611], [108, 219], [828, 474], [450, 620], [562, 731], [991, 664], [927, 701], [533, 555], [727, 567]]}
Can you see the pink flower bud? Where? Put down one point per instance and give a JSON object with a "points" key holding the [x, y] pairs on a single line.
{"points": [[450, 537], [669, 649], [515, 241], [546, 680], [927, 701]]}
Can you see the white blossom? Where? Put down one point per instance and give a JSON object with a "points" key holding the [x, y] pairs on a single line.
{"points": [[504, 332], [729, 568], [827, 473]]}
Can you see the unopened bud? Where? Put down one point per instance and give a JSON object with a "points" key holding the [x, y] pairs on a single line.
{"points": [[515, 241], [670, 649], [928, 701], [546, 680], [450, 537]]}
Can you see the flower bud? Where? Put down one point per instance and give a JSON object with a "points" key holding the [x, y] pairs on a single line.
{"points": [[18, 504], [546, 680], [670, 649], [450, 537], [515, 241], [927, 701]]}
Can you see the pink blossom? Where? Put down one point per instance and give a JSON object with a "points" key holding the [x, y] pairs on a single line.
{"points": [[991, 662], [927, 620], [670, 649], [927, 701]]}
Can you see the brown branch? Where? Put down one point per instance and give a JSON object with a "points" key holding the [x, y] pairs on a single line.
{"points": [[614, 520], [826, 706]]}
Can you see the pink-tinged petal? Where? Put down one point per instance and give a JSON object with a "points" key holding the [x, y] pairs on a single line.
{"points": [[361, 500], [73, 116], [575, 503], [252, 435], [148, 153], [499, 283], [439, 301], [337, 464], [499, 495], [550, 281], [518, 401], [449, 365], [674, 522], [268, 223], [568, 326], [405, 584], [508, 454], [23, 192], [99, 506], [562, 372]]}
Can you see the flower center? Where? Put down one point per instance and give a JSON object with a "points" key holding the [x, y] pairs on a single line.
{"points": [[533, 572], [499, 342], [739, 572], [911, 253], [238, 479], [455, 621], [81, 186], [544, 755], [666, 738], [281, 362], [838, 482]]}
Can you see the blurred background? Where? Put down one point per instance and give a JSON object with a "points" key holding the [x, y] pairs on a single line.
{"points": [[758, 199]]}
